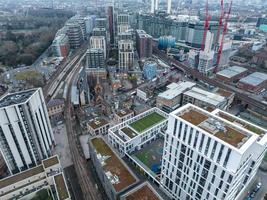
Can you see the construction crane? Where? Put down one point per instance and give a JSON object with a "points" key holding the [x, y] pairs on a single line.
{"points": [[220, 22], [226, 18], [206, 25]]}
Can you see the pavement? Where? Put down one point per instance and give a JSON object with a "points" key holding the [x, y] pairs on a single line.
{"points": [[62, 145]]}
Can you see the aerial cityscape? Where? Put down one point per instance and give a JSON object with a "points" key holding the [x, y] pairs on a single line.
{"points": [[133, 100]]}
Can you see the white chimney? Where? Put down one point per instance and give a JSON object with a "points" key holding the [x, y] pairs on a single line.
{"points": [[169, 6]]}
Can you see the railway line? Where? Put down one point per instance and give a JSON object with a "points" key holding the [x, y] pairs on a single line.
{"points": [[197, 75]]}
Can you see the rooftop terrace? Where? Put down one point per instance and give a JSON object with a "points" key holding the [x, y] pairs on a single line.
{"points": [[215, 126], [145, 192], [147, 122], [129, 132], [97, 123], [61, 187], [50, 161], [113, 165], [124, 112], [16, 98]]}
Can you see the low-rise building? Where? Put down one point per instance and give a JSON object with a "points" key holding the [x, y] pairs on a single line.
{"points": [[55, 107], [98, 126], [132, 134], [123, 115], [204, 99], [144, 93], [113, 173], [254, 82], [171, 99], [231, 74], [46, 176], [61, 46]]}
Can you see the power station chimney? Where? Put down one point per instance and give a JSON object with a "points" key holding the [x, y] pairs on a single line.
{"points": [[169, 6]]}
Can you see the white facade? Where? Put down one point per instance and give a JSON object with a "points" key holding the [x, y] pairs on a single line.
{"points": [[126, 55], [26, 184], [208, 157], [26, 135], [98, 42], [125, 139]]}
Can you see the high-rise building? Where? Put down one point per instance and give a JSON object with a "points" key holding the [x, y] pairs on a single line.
{"points": [[75, 34], [123, 19], [99, 32], [143, 44], [210, 155], [101, 23], [98, 42], [26, 136], [95, 58], [111, 23], [126, 55], [61, 45]]}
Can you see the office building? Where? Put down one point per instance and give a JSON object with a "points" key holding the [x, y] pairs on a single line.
{"points": [[123, 115], [75, 34], [123, 28], [111, 23], [95, 58], [99, 32], [47, 178], [171, 99], [150, 69], [143, 44], [132, 134], [255, 82], [26, 136], [98, 126], [61, 46], [123, 19], [232, 74], [98, 42], [101, 23], [210, 155], [204, 99], [126, 55]]}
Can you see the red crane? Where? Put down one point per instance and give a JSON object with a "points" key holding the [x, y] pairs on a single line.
{"points": [[206, 25], [220, 22], [223, 35]]}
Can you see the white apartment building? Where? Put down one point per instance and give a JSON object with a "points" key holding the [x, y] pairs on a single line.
{"points": [[26, 136], [98, 126], [47, 176], [210, 155], [126, 55], [98, 42], [123, 115], [132, 134]]}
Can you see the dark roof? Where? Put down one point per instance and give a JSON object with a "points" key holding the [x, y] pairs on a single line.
{"points": [[55, 102]]}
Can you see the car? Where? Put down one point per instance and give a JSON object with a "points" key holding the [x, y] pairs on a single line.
{"points": [[252, 195]]}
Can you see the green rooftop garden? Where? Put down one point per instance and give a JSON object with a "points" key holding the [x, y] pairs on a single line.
{"points": [[147, 122]]}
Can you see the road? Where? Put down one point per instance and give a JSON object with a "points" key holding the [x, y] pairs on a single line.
{"points": [[88, 187], [254, 103]]}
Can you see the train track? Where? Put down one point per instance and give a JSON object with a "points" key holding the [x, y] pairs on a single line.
{"points": [[87, 186], [197, 75]]}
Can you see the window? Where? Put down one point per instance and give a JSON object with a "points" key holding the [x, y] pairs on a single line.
{"points": [[222, 174], [220, 154], [201, 142], [195, 141], [214, 169], [207, 146], [213, 149], [175, 127], [227, 157]]}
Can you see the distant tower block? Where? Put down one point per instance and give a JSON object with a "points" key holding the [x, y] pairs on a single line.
{"points": [[169, 6]]}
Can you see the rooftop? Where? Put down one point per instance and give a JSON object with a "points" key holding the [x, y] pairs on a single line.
{"points": [[129, 132], [254, 79], [176, 89], [113, 166], [144, 191], [232, 71], [251, 127], [214, 125], [224, 93], [124, 112], [61, 187], [97, 123], [205, 96], [21, 176], [16, 98], [50, 161], [147, 122], [55, 102]]}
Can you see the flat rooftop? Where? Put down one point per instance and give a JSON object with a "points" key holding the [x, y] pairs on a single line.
{"points": [[129, 132], [205, 96], [16, 98], [251, 127], [214, 125], [97, 123], [224, 93], [254, 79], [176, 89], [113, 166], [21, 176], [50, 161], [147, 122], [143, 192], [124, 112], [232, 71], [61, 187]]}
